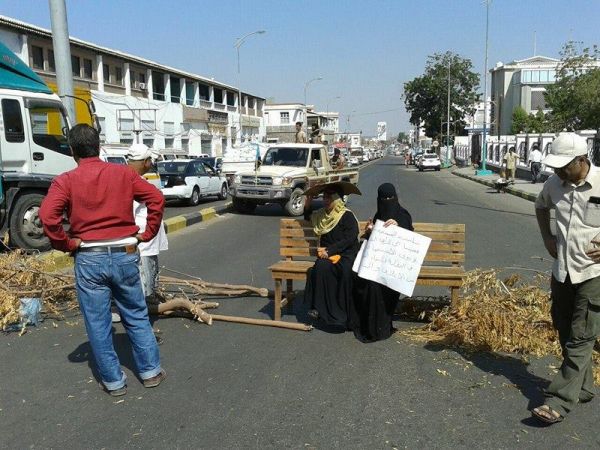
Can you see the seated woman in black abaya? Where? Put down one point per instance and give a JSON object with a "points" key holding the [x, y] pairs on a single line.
{"points": [[328, 291], [374, 303]]}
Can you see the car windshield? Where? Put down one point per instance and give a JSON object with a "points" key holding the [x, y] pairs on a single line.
{"points": [[172, 167], [430, 156], [209, 161], [288, 156], [116, 160]]}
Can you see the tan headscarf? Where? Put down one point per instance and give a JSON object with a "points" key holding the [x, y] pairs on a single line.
{"points": [[324, 221]]}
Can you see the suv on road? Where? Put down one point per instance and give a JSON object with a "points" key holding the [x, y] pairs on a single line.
{"points": [[429, 161], [190, 179]]}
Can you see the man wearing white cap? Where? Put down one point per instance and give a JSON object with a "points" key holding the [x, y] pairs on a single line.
{"points": [[139, 158], [574, 192]]}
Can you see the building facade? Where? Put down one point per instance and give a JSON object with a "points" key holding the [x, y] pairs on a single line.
{"points": [[138, 100]]}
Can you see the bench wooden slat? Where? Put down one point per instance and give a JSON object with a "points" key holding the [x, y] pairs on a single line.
{"points": [[430, 256], [418, 226], [304, 242]]}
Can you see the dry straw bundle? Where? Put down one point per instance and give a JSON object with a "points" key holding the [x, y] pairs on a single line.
{"points": [[23, 276], [497, 316]]}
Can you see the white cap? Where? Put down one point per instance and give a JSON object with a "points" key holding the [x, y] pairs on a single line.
{"points": [[565, 148], [139, 152]]}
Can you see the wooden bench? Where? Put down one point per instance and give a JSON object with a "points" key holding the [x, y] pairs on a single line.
{"points": [[443, 265]]}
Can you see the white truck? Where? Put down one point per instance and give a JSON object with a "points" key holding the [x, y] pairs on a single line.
{"points": [[284, 173], [33, 149]]}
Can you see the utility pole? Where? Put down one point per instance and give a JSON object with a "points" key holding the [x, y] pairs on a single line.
{"points": [[448, 118], [62, 55], [484, 170]]}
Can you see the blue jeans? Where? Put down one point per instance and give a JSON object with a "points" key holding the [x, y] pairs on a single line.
{"points": [[98, 277]]}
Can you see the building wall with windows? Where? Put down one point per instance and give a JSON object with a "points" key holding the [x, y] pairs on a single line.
{"points": [[280, 121], [171, 110]]}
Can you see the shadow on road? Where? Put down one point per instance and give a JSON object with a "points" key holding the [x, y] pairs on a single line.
{"points": [[512, 368], [440, 203], [83, 354]]}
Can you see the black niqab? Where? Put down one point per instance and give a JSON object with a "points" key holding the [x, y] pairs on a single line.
{"points": [[388, 207]]}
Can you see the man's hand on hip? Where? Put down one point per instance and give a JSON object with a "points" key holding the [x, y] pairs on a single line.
{"points": [[594, 252]]}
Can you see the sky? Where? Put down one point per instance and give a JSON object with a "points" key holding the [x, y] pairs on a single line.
{"points": [[364, 50]]}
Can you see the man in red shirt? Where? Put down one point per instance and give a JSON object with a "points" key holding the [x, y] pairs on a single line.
{"points": [[103, 237]]}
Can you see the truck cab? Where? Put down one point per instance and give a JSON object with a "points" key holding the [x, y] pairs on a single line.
{"points": [[33, 149], [283, 174]]}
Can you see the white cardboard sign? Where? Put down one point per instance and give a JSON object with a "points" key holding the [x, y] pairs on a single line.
{"points": [[392, 256]]}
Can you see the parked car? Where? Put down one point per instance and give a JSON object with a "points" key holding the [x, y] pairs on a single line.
{"points": [[216, 162], [114, 159], [191, 179], [353, 161], [429, 161]]}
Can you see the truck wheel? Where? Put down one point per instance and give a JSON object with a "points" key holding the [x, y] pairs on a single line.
{"points": [[26, 230], [223, 193], [195, 198], [295, 205], [243, 206]]}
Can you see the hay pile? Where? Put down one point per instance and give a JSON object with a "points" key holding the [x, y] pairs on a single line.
{"points": [[23, 275], [494, 315]]}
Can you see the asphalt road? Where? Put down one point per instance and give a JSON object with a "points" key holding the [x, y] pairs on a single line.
{"points": [[241, 386]]}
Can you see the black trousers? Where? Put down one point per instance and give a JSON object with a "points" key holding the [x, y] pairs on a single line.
{"points": [[536, 168]]}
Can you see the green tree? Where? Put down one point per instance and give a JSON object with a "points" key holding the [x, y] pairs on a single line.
{"points": [[520, 121], [402, 137], [575, 97], [539, 122], [425, 97]]}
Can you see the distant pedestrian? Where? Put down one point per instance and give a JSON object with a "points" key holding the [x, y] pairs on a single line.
{"points": [[510, 162], [300, 134], [574, 193], [97, 198], [315, 134], [535, 160], [338, 161]]}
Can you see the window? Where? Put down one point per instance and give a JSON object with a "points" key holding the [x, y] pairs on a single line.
{"points": [[158, 86], [189, 94], [175, 90], [87, 69], [132, 80], [51, 63], [106, 73], [204, 92], [231, 98], [13, 121], [169, 142], [526, 76], [218, 93], [169, 128], [535, 76], [552, 76], [126, 141], [206, 146], [149, 143], [185, 144], [37, 57], [118, 75], [148, 125], [102, 123], [285, 118], [47, 127], [142, 77], [538, 101], [75, 66]]}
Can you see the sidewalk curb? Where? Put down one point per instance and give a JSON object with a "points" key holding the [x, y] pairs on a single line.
{"points": [[510, 190], [57, 260]]}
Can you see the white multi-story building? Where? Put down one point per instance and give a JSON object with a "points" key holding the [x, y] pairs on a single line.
{"points": [[520, 83], [136, 99]]}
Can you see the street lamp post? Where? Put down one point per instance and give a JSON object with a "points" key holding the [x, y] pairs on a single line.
{"points": [[238, 43], [448, 119], [484, 170], [319, 78]]}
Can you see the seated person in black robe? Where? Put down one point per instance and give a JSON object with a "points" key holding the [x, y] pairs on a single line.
{"points": [[328, 291], [374, 303]]}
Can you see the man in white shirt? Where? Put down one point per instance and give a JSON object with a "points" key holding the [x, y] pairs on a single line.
{"points": [[139, 158], [574, 193], [535, 160]]}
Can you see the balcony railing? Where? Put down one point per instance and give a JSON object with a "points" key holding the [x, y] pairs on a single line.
{"points": [[206, 103], [231, 108], [219, 106]]}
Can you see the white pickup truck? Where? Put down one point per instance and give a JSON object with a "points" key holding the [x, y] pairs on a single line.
{"points": [[285, 171]]}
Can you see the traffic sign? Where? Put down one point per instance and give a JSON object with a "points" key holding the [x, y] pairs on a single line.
{"points": [[435, 144]]}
